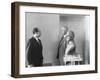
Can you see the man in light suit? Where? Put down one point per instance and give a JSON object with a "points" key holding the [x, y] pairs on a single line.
{"points": [[35, 56], [62, 45]]}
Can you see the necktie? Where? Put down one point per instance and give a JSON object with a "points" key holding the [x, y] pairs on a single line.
{"points": [[39, 42]]}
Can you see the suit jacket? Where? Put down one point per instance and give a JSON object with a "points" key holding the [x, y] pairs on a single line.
{"points": [[35, 56], [61, 51], [59, 45]]}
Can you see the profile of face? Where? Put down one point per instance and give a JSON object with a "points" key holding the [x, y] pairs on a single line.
{"points": [[38, 34], [64, 30], [68, 38], [69, 35]]}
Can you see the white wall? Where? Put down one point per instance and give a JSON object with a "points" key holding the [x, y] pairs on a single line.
{"points": [[5, 40], [87, 36]]}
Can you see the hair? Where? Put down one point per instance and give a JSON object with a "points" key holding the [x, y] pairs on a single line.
{"points": [[71, 34], [35, 30]]}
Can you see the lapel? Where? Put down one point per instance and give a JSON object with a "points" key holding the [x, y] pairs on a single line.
{"points": [[38, 42]]}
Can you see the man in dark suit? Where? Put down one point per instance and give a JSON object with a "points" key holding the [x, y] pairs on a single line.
{"points": [[34, 56]]}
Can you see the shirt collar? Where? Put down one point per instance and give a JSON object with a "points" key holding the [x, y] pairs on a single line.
{"points": [[36, 38]]}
